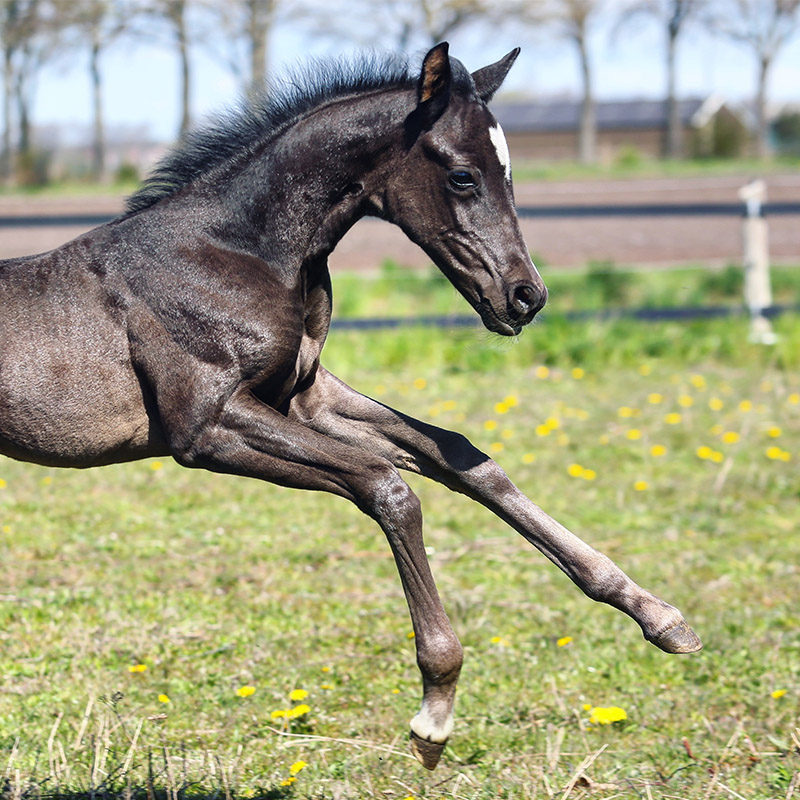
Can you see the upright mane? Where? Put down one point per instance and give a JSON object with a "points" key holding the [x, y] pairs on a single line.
{"points": [[231, 132]]}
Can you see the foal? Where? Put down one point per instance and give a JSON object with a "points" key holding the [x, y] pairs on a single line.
{"points": [[192, 325]]}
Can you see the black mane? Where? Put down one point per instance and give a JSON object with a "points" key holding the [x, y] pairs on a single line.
{"points": [[229, 133]]}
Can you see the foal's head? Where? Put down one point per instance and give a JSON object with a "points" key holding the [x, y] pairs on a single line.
{"points": [[452, 192]]}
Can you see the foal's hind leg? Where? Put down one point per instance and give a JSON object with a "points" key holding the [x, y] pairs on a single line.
{"points": [[251, 439], [333, 407]]}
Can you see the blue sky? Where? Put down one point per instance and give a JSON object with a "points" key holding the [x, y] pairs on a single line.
{"points": [[142, 80]]}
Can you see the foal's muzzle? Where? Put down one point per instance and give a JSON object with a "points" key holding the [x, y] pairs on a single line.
{"points": [[525, 301]]}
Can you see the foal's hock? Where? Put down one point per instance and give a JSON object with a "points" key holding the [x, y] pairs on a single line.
{"points": [[192, 325]]}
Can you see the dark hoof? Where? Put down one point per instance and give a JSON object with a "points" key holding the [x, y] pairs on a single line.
{"points": [[678, 639], [427, 753]]}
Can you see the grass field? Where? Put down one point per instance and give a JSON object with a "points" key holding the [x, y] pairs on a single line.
{"points": [[167, 633]]}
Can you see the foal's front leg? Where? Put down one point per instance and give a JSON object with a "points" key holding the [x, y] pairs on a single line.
{"points": [[249, 438], [332, 407]]}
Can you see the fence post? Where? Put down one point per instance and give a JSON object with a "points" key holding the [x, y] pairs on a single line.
{"points": [[757, 288]]}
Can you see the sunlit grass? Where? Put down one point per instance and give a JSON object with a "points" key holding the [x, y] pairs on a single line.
{"points": [[164, 631]]}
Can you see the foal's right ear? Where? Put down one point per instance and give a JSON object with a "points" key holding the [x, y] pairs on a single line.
{"points": [[433, 90]]}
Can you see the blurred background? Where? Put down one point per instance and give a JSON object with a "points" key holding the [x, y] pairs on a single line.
{"points": [[611, 102]]}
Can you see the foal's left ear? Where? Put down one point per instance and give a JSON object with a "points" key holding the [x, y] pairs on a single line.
{"points": [[488, 80], [433, 91]]}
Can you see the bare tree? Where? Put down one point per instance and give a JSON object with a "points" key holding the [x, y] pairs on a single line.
{"points": [[573, 20], [673, 16], [96, 24], [397, 24], [245, 27], [175, 14], [28, 38], [764, 26]]}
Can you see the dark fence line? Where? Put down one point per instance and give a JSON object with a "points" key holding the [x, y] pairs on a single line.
{"points": [[532, 212], [643, 314], [656, 210]]}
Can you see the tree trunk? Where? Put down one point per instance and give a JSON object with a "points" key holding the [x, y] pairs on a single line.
{"points": [[179, 18], [674, 148], [260, 12], [587, 134], [762, 132], [8, 91], [98, 141]]}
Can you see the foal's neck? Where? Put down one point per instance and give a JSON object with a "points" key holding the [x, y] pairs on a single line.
{"points": [[305, 186]]}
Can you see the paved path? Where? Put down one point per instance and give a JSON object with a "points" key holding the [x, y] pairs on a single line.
{"points": [[555, 242]]}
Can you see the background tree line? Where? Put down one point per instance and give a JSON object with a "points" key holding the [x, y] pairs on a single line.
{"points": [[35, 33]]}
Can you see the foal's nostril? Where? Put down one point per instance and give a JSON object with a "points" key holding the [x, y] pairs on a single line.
{"points": [[526, 299]]}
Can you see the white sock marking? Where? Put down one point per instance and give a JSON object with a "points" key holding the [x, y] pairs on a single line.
{"points": [[501, 146], [426, 727]]}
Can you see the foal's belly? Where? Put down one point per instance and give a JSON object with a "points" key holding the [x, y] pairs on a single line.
{"points": [[71, 400]]}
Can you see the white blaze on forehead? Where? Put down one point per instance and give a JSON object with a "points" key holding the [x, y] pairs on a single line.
{"points": [[501, 146]]}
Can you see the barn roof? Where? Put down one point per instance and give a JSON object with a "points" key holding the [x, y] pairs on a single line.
{"points": [[533, 116]]}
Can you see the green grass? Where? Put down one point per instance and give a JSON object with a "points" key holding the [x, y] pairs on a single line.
{"points": [[398, 292], [215, 583]]}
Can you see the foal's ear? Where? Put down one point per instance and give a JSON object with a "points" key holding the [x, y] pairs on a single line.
{"points": [[433, 92], [488, 80]]}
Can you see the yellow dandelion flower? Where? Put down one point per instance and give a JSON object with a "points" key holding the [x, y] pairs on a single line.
{"points": [[793, 398], [704, 451], [395, 691], [645, 369], [553, 423], [298, 711], [47, 480], [288, 781], [499, 640], [586, 706], [607, 715], [778, 693], [156, 465], [410, 635], [326, 686], [685, 401], [563, 641], [716, 457], [774, 452], [589, 475], [658, 450], [162, 698], [774, 432], [500, 408], [298, 694], [785, 455], [575, 470], [542, 430], [511, 400], [298, 766], [3, 483], [449, 405], [490, 425], [625, 412], [633, 434], [245, 691], [496, 447], [528, 458], [641, 486], [745, 405], [578, 373], [715, 404], [673, 418], [6, 528], [507, 433], [325, 669], [698, 381], [279, 713], [654, 398], [541, 372], [137, 668], [420, 383], [730, 437]]}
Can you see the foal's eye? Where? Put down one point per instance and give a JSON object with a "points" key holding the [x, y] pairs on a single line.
{"points": [[461, 179]]}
